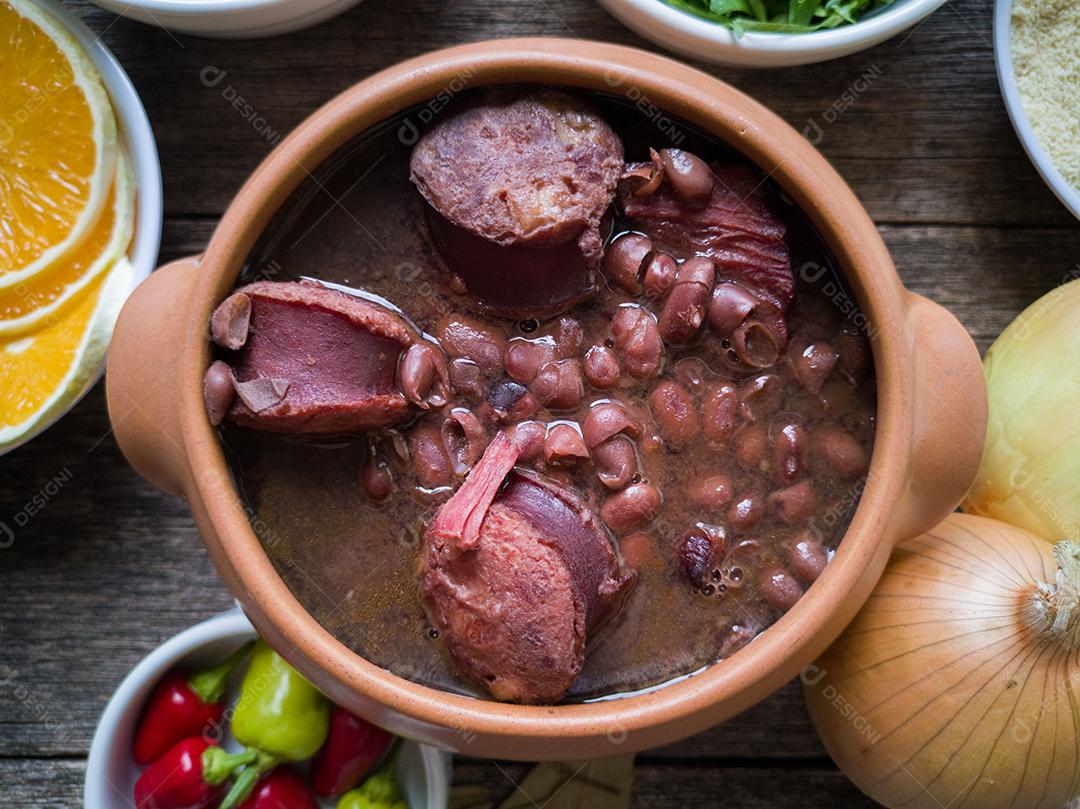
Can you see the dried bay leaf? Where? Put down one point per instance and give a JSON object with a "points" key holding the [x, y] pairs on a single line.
{"points": [[603, 783]]}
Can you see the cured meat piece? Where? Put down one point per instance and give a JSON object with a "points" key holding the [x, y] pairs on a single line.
{"points": [[519, 185], [310, 360], [734, 226], [517, 571], [514, 281]]}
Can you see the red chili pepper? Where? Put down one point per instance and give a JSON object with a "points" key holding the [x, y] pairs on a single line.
{"points": [[191, 775], [183, 705], [281, 789], [351, 750]]}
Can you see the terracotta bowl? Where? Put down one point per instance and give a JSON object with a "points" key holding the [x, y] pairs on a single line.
{"points": [[931, 407]]}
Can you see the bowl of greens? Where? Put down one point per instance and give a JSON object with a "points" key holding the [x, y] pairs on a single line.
{"points": [[768, 33]]}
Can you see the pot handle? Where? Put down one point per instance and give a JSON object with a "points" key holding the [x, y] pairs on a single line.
{"points": [[948, 418], [140, 380]]}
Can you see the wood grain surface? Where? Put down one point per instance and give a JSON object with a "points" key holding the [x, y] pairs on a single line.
{"points": [[101, 568]]}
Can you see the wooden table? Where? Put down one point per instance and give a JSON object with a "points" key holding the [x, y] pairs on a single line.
{"points": [[102, 567]]}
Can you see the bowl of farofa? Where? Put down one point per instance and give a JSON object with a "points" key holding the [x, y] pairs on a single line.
{"points": [[1037, 50]]}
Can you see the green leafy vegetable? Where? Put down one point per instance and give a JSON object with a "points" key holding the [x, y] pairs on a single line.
{"points": [[779, 16]]}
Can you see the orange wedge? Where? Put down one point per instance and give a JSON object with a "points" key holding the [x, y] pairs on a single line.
{"points": [[58, 142], [43, 372], [29, 304]]}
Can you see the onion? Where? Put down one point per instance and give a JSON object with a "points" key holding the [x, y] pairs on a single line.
{"points": [[958, 685], [1031, 462]]}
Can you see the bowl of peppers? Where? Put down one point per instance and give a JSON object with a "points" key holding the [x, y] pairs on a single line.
{"points": [[214, 718]]}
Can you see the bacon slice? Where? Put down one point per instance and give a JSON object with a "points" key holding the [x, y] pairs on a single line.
{"points": [[735, 227]]}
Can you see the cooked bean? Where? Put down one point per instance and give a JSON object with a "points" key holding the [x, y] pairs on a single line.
{"points": [[720, 410], [637, 339], [845, 456], [760, 396], [375, 477], [794, 503], [524, 358], [464, 439], [808, 558], [616, 462], [813, 365], [424, 377], [564, 445], [601, 367], [745, 512], [780, 588], [712, 492], [645, 178], [218, 391], [756, 344], [623, 260], [686, 306], [675, 414], [462, 336], [466, 378], [631, 508], [230, 322], [528, 437], [688, 174], [854, 351], [606, 420], [502, 396], [660, 270], [729, 305], [750, 444], [429, 459], [789, 452], [559, 385], [699, 556]]}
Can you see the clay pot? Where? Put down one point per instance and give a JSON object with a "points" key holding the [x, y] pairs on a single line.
{"points": [[931, 408]]}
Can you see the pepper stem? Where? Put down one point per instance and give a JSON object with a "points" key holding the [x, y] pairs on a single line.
{"points": [[209, 685], [245, 782], [218, 765], [1055, 608]]}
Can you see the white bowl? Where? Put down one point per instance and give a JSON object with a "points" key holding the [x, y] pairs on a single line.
{"points": [[698, 38], [138, 140], [423, 771], [229, 19], [1044, 164]]}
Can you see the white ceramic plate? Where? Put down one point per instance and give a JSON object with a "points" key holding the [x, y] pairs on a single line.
{"points": [[1069, 196], [138, 140], [423, 772], [712, 42], [229, 19]]}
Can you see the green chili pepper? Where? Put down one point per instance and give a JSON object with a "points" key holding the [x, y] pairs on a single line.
{"points": [[279, 714], [377, 792]]}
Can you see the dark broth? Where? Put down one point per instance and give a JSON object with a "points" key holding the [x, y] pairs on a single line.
{"points": [[351, 561]]}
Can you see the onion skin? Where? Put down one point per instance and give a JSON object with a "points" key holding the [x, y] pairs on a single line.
{"points": [[947, 690], [1031, 459]]}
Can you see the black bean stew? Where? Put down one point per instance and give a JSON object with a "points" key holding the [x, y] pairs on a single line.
{"points": [[549, 404]]}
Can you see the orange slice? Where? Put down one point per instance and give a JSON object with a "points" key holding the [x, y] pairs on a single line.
{"points": [[29, 304], [58, 141], [44, 372]]}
